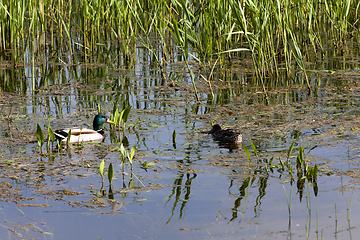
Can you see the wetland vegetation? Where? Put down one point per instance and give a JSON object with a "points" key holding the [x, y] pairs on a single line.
{"points": [[284, 73]]}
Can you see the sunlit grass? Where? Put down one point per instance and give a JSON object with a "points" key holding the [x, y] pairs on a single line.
{"points": [[276, 33], [211, 25]]}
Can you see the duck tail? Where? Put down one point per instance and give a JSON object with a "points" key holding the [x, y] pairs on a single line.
{"points": [[60, 134]]}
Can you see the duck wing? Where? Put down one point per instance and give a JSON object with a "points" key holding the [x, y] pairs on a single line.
{"points": [[229, 132]]}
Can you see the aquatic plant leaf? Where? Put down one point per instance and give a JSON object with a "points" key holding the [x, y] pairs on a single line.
{"points": [[147, 165], [290, 150], [110, 173], [301, 153], [137, 122], [254, 148], [117, 117], [132, 154], [298, 162], [247, 153], [121, 115], [282, 165], [300, 158], [315, 172], [50, 133], [51, 136], [290, 170], [126, 113], [40, 135], [68, 137], [271, 161], [141, 200], [174, 136], [266, 168], [97, 193], [122, 150], [101, 168]]}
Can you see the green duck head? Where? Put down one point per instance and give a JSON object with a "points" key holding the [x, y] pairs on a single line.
{"points": [[99, 120]]}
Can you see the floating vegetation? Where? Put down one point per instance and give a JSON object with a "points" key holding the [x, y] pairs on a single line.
{"points": [[145, 165]]}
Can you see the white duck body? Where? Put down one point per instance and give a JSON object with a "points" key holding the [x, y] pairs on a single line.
{"points": [[79, 135]]}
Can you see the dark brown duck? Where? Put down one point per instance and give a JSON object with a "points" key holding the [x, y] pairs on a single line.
{"points": [[225, 135]]}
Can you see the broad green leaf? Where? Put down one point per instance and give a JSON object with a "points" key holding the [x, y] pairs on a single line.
{"points": [[126, 113], [101, 167], [123, 150], [39, 135], [132, 154], [116, 117], [110, 173], [315, 172]]}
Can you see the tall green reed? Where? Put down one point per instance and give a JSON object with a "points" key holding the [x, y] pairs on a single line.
{"points": [[277, 33]]}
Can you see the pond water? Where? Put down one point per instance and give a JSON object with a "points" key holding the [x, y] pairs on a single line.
{"points": [[197, 189]]}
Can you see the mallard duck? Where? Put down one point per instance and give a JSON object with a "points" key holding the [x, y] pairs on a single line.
{"points": [[79, 134], [225, 135]]}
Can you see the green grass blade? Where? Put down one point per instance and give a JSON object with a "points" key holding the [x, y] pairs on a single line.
{"points": [[290, 150], [247, 152], [68, 137]]}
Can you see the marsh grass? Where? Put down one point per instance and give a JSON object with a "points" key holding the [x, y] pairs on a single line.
{"points": [[304, 172], [278, 34]]}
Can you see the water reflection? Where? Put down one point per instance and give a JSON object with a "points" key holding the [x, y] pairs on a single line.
{"points": [[178, 189]]}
